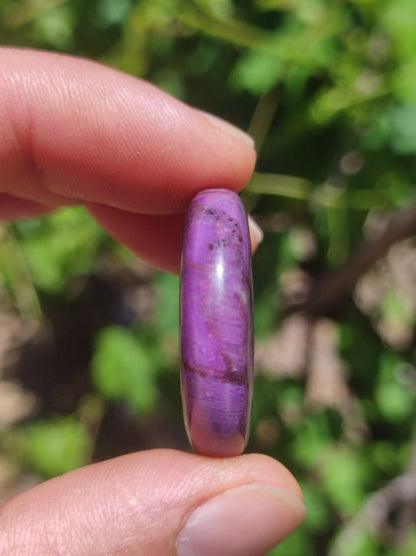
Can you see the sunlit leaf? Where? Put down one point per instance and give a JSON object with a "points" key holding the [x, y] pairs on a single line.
{"points": [[123, 369], [56, 446]]}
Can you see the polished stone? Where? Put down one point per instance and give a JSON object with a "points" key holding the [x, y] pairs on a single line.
{"points": [[216, 324]]}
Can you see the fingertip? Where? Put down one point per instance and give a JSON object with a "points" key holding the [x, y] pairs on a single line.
{"points": [[268, 470], [140, 502], [228, 128], [256, 233], [240, 522]]}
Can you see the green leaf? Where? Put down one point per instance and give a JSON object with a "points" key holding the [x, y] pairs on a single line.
{"points": [[311, 439], [109, 12], [395, 307], [56, 446], [167, 312], [56, 27], [395, 400], [410, 544], [403, 132], [397, 17], [256, 72], [60, 247], [344, 474], [378, 133], [318, 512], [124, 369], [361, 543]]}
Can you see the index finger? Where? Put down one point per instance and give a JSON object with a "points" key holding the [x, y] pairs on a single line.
{"points": [[73, 130]]}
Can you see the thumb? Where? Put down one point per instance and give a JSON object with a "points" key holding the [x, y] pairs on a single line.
{"points": [[157, 502]]}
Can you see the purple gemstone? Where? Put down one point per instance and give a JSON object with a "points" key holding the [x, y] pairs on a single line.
{"points": [[216, 324]]}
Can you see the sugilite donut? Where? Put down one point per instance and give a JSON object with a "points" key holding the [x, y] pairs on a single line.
{"points": [[216, 320]]}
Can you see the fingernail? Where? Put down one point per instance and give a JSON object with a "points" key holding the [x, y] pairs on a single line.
{"points": [[228, 128], [244, 521], [256, 233]]}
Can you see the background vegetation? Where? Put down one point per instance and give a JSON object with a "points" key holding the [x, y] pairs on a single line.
{"points": [[89, 334]]}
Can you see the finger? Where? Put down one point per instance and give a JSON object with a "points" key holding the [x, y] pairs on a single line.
{"points": [[157, 502], [77, 130], [155, 239], [12, 207]]}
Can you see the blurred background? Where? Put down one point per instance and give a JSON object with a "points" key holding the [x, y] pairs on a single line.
{"points": [[89, 334]]}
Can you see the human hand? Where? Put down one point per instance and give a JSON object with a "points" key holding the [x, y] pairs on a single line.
{"points": [[74, 132]]}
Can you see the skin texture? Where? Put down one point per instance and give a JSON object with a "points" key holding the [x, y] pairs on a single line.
{"points": [[74, 132]]}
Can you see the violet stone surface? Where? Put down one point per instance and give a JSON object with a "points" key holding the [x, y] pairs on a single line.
{"points": [[216, 324]]}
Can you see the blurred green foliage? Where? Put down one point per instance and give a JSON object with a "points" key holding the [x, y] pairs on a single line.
{"points": [[59, 248], [124, 368], [56, 446], [328, 91]]}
